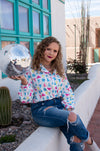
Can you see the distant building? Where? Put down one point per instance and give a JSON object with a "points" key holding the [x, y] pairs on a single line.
{"points": [[29, 21], [73, 32]]}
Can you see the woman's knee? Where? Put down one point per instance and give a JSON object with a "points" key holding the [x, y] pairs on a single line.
{"points": [[72, 117]]}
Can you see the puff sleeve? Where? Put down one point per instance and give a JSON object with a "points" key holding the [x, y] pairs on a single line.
{"points": [[26, 91], [68, 95]]}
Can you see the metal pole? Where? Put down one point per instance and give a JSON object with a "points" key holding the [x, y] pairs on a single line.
{"points": [[75, 39]]}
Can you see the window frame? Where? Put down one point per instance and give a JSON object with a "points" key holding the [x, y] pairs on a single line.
{"points": [[62, 1], [35, 40], [14, 21], [29, 17]]}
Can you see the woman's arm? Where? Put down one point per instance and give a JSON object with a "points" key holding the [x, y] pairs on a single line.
{"points": [[26, 87], [68, 95]]}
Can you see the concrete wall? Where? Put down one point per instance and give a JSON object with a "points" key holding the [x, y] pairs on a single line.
{"points": [[70, 31], [51, 139], [58, 24], [70, 53], [0, 75], [12, 85]]}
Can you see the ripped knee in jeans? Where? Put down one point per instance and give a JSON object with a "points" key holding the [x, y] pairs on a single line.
{"points": [[77, 143], [76, 139]]}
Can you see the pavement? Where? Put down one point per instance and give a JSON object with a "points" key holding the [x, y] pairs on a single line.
{"points": [[94, 126]]}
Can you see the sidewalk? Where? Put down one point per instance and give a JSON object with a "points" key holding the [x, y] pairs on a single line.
{"points": [[94, 126]]}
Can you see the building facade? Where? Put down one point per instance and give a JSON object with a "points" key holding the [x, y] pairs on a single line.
{"points": [[73, 34], [27, 22]]}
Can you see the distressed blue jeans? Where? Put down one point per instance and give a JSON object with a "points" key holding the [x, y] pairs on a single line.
{"points": [[51, 113]]}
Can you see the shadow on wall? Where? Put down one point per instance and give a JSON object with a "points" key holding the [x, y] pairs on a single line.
{"points": [[13, 86]]}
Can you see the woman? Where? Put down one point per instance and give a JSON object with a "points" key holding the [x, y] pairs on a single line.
{"points": [[46, 87]]}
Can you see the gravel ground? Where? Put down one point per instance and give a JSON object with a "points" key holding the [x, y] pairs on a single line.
{"points": [[22, 124]]}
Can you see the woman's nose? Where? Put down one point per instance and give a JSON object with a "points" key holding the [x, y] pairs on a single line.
{"points": [[51, 52]]}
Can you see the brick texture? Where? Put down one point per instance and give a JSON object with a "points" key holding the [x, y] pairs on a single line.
{"points": [[94, 126]]}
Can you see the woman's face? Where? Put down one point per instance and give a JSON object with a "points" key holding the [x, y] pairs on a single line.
{"points": [[51, 53]]}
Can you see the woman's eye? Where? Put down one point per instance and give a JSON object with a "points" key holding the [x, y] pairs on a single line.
{"points": [[48, 48], [55, 50]]}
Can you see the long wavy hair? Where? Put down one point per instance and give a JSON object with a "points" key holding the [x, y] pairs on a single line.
{"points": [[39, 56]]}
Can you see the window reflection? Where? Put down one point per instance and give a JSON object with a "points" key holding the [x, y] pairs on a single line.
{"points": [[46, 25], [35, 1], [26, 44], [6, 12], [36, 22], [45, 4], [5, 43], [23, 19]]}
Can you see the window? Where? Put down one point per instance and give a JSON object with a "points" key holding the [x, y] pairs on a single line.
{"points": [[26, 44], [45, 4], [35, 1], [36, 22], [98, 37], [7, 17], [46, 24], [23, 19], [4, 43]]}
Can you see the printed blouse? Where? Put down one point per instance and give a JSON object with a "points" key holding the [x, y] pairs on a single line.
{"points": [[43, 85]]}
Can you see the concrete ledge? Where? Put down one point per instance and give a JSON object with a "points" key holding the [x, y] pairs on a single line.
{"points": [[43, 139], [51, 139]]}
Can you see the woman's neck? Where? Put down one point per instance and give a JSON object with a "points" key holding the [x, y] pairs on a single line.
{"points": [[47, 66]]}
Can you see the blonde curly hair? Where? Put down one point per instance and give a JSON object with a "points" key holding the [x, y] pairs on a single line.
{"points": [[56, 64]]}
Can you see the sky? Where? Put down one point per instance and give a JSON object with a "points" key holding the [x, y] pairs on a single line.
{"points": [[73, 8]]}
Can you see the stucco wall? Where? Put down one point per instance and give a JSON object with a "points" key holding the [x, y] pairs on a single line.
{"points": [[71, 38], [70, 31], [58, 24], [70, 53]]}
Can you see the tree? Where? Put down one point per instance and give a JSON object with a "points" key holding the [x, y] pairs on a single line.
{"points": [[84, 38]]}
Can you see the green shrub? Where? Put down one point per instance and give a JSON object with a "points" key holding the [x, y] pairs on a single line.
{"points": [[77, 67], [7, 139]]}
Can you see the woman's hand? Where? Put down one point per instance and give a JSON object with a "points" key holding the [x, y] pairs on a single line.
{"points": [[69, 109], [21, 77]]}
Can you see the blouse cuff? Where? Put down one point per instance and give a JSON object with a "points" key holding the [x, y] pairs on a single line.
{"points": [[67, 106], [24, 86]]}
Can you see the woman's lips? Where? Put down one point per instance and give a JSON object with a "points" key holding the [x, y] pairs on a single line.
{"points": [[49, 57]]}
